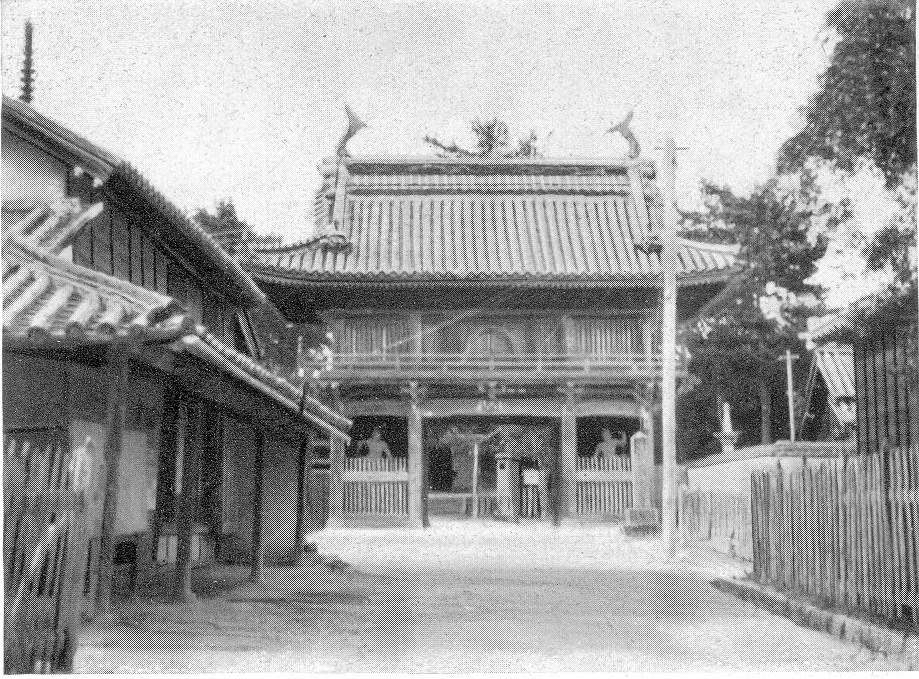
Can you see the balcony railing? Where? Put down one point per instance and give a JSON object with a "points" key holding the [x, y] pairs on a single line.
{"points": [[527, 367]]}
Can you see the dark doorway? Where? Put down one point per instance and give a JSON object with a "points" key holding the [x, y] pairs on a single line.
{"points": [[534, 441], [590, 432], [393, 430]]}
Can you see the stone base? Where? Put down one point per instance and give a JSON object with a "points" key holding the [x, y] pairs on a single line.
{"points": [[643, 520]]}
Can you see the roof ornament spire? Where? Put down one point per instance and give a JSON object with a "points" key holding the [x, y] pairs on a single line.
{"points": [[28, 73], [624, 128]]}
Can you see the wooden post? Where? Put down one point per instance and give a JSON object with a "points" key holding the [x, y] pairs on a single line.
{"points": [[336, 517], [307, 450], [475, 480], [258, 501], [117, 366], [416, 490], [189, 447], [668, 348], [567, 483]]}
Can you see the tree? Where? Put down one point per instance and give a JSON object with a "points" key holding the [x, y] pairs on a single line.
{"points": [[232, 233], [492, 141], [759, 318], [865, 108], [865, 111]]}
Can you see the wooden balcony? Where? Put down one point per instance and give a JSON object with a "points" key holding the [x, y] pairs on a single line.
{"points": [[622, 368]]}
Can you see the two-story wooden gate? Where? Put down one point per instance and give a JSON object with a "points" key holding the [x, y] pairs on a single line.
{"points": [[45, 540]]}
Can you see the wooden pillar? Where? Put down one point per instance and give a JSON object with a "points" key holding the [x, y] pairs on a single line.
{"points": [[189, 448], [116, 405], [336, 518], [569, 455], [641, 448], [417, 516], [258, 503], [304, 461]]}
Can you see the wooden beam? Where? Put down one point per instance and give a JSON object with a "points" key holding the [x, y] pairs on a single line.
{"points": [[258, 502], [117, 366], [188, 449]]}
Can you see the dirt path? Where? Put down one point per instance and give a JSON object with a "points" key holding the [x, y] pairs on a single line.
{"points": [[466, 597]]}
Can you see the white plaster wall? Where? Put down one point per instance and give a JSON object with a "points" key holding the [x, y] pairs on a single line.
{"points": [[29, 174]]}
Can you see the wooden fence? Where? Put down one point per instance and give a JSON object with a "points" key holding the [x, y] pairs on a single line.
{"points": [[604, 485], [45, 539], [376, 487], [530, 505], [721, 519], [844, 533]]}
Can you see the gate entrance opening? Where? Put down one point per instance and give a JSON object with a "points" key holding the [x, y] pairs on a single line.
{"points": [[517, 456]]}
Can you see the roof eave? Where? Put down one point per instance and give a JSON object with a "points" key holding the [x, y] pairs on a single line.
{"points": [[299, 279]]}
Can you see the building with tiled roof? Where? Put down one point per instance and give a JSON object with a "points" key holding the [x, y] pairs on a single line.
{"points": [[127, 330], [829, 405], [517, 296]]}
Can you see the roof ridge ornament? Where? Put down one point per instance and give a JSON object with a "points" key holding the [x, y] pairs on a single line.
{"points": [[355, 125], [331, 235], [624, 128]]}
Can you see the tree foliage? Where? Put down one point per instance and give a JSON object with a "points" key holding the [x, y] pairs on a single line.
{"points": [[761, 315], [865, 107], [492, 139], [232, 233]]}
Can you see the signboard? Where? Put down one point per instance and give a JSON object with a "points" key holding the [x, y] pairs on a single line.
{"points": [[531, 477]]}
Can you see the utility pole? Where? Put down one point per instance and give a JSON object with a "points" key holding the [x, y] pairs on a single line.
{"points": [[790, 390], [668, 348]]}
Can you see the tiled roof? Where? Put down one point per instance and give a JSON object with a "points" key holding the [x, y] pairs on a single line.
{"points": [[107, 167], [447, 220], [47, 298], [837, 367], [207, 347]]}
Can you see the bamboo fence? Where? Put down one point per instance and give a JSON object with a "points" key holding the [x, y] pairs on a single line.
{"points": [[844, 533]]}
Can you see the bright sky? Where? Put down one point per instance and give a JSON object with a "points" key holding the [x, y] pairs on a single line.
{"points": [[243, 99]]}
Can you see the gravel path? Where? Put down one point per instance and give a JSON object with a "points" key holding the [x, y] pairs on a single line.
{"points": [[467, 597]]}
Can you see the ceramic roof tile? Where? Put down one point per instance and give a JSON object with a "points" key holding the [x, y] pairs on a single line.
{"points": [[436, 219], [48, 299]]}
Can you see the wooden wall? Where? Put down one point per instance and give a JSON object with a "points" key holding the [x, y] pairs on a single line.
{"points": [[484, 334], [886, 388]]}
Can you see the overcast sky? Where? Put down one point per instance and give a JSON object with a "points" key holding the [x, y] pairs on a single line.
{"points": [[243, 99]]}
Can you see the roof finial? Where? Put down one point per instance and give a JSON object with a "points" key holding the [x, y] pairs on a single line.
{"points": [[625, 130], [355, 125], [28, 73]]}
